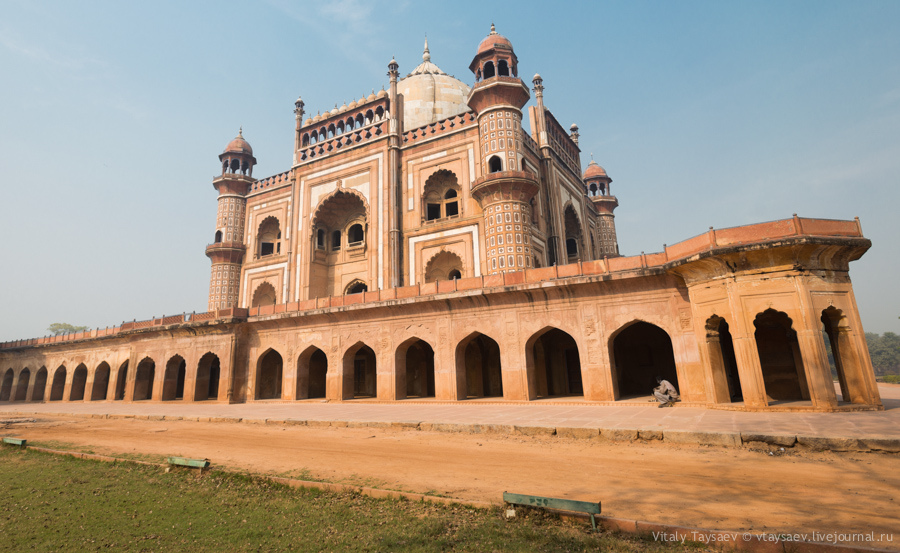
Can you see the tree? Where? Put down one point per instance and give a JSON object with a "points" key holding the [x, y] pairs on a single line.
{"points": [[64, 328]]}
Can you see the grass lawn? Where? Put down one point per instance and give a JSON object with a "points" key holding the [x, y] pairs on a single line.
{"points": [[56, 503]]}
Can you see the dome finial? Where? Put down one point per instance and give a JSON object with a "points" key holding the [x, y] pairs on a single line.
{"points": [[426, 55], [241, 131], [493, 29]]}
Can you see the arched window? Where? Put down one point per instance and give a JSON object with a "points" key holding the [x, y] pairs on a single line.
{"points": [[441, 196], [360, 120], [443, 266], [331, 131], [305, 141], [320, 239], [340, 128], [264, 295], [269, 237], [503, 68], [495, 164], [355, 234], [218, 236], [379, 113], [571, 247], [356, 287], [335, 240], [488, 70], [454, 275]]}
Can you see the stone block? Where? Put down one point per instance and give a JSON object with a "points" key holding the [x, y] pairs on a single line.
{"points": [[881, 443], [722, 439], [619, 434], [294, 422], [535, 430], [823, 443], [782, 440], [406, 425], [650, 434], [578, 433], [318, 424], [496, 428]]}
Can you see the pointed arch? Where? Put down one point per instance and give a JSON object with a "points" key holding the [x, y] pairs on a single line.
{"points": [[723, 362], [173, 378], [779, 357], [22, 385], [441, 196], [269, 375], [360, 372], [553, 364], [79, 380], [574, 234], [101, 382], [59, 384], [414, 369], [356, 286], [268, 237], [312, 373], [264, 295], [847, 362], [206, 384], [639, 353], [442, 265], [7, 385], [478, 366], [40, 384], [143, 379], [121, 381]]}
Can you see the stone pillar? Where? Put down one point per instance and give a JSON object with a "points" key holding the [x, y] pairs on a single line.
{"points": [[813, 368]]}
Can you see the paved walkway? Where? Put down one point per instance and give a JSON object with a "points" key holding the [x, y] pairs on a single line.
{"points": [[834, 425]]}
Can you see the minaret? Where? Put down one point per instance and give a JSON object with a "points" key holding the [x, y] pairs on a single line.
{"points": [[227, 250], [596, 183], [504, 190]]}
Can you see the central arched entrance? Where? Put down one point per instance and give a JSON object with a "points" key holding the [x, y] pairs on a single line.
{"points": [[554, 364], [779, 357], [269, 375], [206, 385], [640, 353], [312, 372], [478, 358], [143, 379]]}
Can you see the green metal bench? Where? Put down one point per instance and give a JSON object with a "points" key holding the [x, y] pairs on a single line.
{"points": [[588, 507], [21, 442], [192, 463]]}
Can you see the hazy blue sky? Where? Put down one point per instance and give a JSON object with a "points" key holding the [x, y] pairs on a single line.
{"points": [[112, 115]]}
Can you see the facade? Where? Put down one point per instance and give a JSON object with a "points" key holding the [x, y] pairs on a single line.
{"points": [[424, 244]]}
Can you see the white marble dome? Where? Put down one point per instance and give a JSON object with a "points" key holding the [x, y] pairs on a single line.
{"points": [[430, 95]]}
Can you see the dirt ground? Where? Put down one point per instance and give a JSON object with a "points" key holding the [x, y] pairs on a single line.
{"points": [[716, 488]]}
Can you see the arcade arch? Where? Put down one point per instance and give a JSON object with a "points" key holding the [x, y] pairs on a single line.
{"points": [[6, 387], [143, 379], [22, 386], [312, 374], [478, 359], [59, 384], [553, 363], [414, 366], [121, 381], [639, 353], [360, 372], [722, 358], [269, 373], [779, 357], [206, 385], [79, 380], [173, 378], [101, 382], [40, 384]]}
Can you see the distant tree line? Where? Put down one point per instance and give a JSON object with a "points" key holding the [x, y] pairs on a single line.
{"points": [[884, 350]]}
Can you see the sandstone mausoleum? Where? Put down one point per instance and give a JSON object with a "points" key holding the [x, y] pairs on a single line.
{"points": [[423, 244]]}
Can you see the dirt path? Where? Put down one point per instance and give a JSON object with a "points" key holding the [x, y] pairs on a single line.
{"points": [[725, 489]]}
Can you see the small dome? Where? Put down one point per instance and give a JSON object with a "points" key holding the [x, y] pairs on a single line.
{"points": [[361, 101], [334, 111], [594, 171], [343, 108], [494, 40], [381, 94], [308, 121], [431, 95], [239, 145], [352, 104], [371, 97]]}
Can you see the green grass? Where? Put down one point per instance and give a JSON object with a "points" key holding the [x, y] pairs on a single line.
{"points": [[59, 503], [891, 378]]}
